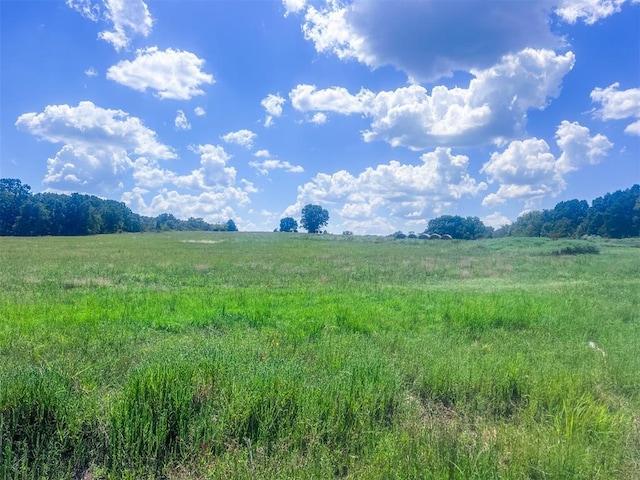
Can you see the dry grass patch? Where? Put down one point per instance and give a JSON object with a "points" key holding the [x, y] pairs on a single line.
{"points": [[88, 282]]}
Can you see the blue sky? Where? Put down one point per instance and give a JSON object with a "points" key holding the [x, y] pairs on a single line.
{"points": [[387, 113]]}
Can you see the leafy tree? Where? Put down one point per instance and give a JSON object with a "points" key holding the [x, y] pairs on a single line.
{"points": [[615, 215], [314, 217], [167, 221], [33, 219], [528, 225], [288, 224], [231, 226], [13, 194]]}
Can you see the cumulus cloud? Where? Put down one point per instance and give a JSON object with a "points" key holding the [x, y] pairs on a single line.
{"points": [[618, 104], [273, 106], [272, 163], [128, 18], [293, 6], [99, 145], [459, 39], [579, 147], [527, 170], [212, 206], [589, 11], [633, 129], [305, 98], [91, 72], [493, 106], [172, 74], [243, 138], [495, 220], [213, 171], [318, 118], [181, 122], [402, 191], [213, 174], [199, 111], [266, 166]]}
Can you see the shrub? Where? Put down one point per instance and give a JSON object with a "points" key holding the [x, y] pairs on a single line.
{"points": [[577, 249]]}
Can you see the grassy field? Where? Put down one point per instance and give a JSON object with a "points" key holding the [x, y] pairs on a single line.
{"points": [[236, 355]]}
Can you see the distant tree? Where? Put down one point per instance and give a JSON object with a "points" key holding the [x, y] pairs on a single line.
{"points": [[313, 218], [468, 228], [196, 224], [528, 225], [167, 221], [13, 194], [288, 224], [231, 226]]}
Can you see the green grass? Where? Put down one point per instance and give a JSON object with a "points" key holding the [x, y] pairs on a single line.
{"points": [[220, 355]]}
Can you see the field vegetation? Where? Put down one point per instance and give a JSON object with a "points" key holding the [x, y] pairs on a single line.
{"points": [[261, 356]]}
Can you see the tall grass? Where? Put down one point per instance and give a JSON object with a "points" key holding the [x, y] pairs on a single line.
{"points": [[192, 355]]}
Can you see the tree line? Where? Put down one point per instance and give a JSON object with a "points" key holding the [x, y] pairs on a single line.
{"points": [[25, 214], [615, 215]]}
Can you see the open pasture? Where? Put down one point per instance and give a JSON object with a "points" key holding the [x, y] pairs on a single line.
{"points": [[237, 355]]}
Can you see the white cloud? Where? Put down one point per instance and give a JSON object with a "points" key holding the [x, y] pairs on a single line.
{"points": [[271, 163], [396, 190], [243, 138], [212, 206], [262, 154], [199, 111], [495, 220], [293, 6], [459, 38], [579, 147], [266, 166], [128, 18], [273, 106], [213, 171], [93, 126], [77, 168], [181, 122], [306, 98], [618, 104], [527, 170], [589, 11], [394, 33], [318, 118], [91, 72], [173, 74], [99, 145], [87, 8], [493, 106], [633, 129]]}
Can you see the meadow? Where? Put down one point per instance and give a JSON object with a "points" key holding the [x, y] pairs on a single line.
{"points": [[268, 356]]}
